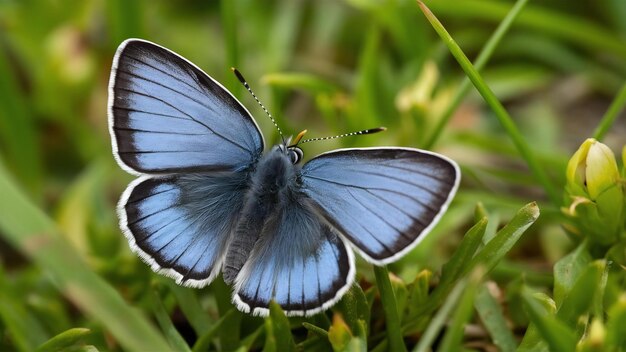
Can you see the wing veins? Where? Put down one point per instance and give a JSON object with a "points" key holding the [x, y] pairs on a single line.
{"points": [[159, 132], [211, 109], [150, 112], [395, 206], [167, 73], [378, 216], [150, 195], [401, 180], [191, 117], [425, 205], [149, 215]]}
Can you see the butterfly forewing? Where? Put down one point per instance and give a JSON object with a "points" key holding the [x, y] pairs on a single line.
{"points": [[166, 115], [384, 200]]}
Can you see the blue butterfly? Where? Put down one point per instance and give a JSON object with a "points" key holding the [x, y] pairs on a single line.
{"points": [[208, 200]]}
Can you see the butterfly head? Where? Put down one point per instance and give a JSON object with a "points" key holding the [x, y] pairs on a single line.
{"points": [[293, 152]]}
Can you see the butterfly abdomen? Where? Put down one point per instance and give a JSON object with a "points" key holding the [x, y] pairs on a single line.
{"points": [[272, 183]]}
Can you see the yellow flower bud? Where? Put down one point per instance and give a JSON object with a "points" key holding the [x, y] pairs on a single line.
{"points": [[595, 193]]}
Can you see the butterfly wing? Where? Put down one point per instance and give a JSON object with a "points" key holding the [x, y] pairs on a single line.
{"points": [[384, 200], [301, 263], [166, 115], [180, 225]]}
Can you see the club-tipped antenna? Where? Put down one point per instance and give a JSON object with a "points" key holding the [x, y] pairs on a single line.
{"points": [[245, 84], [369, 131]]}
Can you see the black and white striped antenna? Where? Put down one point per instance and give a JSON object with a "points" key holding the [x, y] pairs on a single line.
{"points": [[356, 133], [245, 84]]}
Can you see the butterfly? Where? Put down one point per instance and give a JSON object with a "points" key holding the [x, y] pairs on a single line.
{"points": [[208, 200]]}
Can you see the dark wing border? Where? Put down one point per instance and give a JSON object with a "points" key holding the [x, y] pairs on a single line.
{"points": [[148, 258], [111, 99], [424, 232]]}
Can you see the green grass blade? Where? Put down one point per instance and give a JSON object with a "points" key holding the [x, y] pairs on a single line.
{"points": [[615, 325], [464, 253], [394, 331], [228, 15], [556, 334], [28, 229], [65, 340], [481, 61], [25, 330], [574, 29], [190, 306], [493, 319], [163, 318], [453, 269], [611, 114], [503, 116], [438, 321], [204, 341], [587, 290], [453, 339], [501, 244], [567, 270], [278, 330], [18, 138]]}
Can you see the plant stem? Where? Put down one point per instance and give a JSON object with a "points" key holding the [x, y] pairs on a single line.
{"points": [[611, 114], [481, 61], [503, 116], [394, 331]]}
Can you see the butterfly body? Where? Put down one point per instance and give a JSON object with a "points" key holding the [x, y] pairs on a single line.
{"points": [[273, 184], [208, 201]]}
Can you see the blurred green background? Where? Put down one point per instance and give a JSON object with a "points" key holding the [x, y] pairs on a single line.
{"points": [[327, 66]]}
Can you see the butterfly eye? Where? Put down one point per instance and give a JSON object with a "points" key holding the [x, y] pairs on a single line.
{"points": [[295, 154]]}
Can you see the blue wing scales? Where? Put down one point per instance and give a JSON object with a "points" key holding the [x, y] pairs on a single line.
{"points": [[303, 265], [384, 200], [181, 225], [166, 115]]}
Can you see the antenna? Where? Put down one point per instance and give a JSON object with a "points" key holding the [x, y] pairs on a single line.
{"points": [[370, 131], [245, 84]]}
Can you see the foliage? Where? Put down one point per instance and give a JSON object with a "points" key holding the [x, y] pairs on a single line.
{"points": [[549, 75]]}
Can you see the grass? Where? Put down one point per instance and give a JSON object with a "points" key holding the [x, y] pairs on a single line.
{"points": [[508, 267]]}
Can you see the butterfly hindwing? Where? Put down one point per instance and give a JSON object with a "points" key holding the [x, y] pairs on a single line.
{"points": [[301, 263], [166, 115], [384, 200], [181, 225]]}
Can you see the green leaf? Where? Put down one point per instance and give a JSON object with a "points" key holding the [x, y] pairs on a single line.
{"points": [[29, 230], [418, 295], [24, 328], [190, 306], [452, 340], [390, 307], [615, 324], [481, 61], [556, 334], [587, 290], [315, 330], [500, 112], [223, 324], [66, 339], [439, 320], [493, 319], [339, 333], [353, 307], [172, 335], [505, 239], [451, 271], [278, 331], [567, 270]]}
